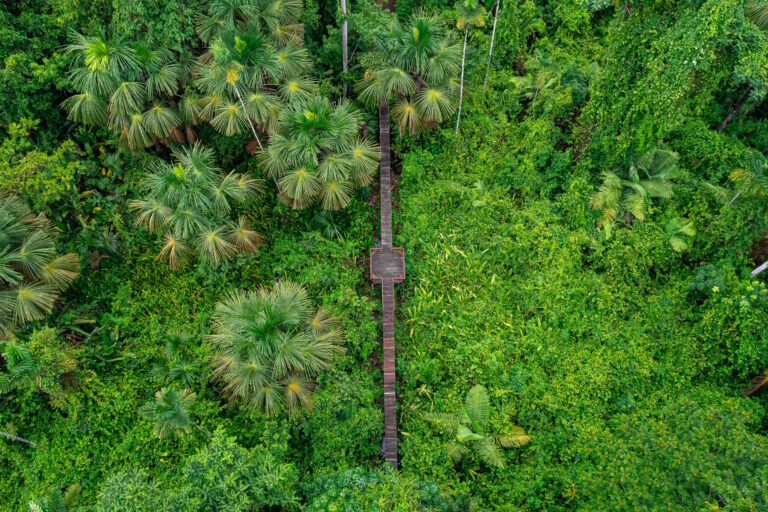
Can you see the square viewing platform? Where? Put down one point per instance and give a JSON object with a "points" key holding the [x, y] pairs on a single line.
{"points": [[387, 264]]}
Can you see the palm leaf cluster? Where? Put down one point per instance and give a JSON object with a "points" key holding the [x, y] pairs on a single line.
{"points": [[136, 91], [630, 192], [190, 203], [469, 429], [254, 65], [40, 365], [255, 61], [269, 344], [417, 66], [32, 273], [316, 154], [181, 366], [541, 79], [56, 500], [169, 412]]}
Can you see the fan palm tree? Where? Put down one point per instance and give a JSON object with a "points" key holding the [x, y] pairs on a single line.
{"points": [[180, 366], [32, 273], [190, 204], [752, 182], [317, 155], [470, 426], [631, 192], [255, 48], [417, 67], [269, 344], [471, 14], [56, 500], [130, 88], [169, 412]]}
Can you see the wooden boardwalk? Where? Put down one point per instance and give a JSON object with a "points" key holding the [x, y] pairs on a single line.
{"points": [[387, 268]]}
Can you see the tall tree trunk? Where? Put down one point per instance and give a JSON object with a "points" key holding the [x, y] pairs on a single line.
{"points": [[735, 110], [759, 270], [627, 10], [21, 440], [461, 85], [490, 52], [344, 50], [201, 429], [533, 104], [245, 113]]}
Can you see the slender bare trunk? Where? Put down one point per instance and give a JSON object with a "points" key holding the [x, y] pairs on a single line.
{"points": [[201, 429], [490, 52], [21, 440], [735, 110], [627, 10], [461, 84], [735, 197], [344, 50], [533, 105], [759, 270], [245, 113]]}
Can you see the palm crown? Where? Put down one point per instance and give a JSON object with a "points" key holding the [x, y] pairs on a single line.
{"points": [[648, 177], [56, 500], [32, 273], [417, 67], [134, 90], [269, 344], [470, 426], [147, 95], [191, 204], [169, 412], [317, 155]]}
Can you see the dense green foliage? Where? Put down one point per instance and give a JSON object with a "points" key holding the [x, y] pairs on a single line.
{"points": [[578, 326]]}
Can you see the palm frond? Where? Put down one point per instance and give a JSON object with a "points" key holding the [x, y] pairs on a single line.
{"points": [[243, 237], [489, 452], [434, 104], [757, 13], [335, 194], [128, 98], [86, 108], [229, 119], [214, 246], [299, 187], [61, 271], [174, 251], [161, 120], [478, 407], [455, 451], [515, 438], [31, 301]]}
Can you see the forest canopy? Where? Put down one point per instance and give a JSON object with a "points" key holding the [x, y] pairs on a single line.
{"points": [[189, 193]]}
